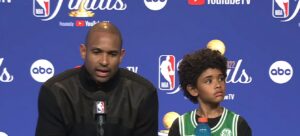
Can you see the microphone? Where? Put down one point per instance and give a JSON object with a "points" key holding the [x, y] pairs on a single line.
{"points": [[100, 114]]}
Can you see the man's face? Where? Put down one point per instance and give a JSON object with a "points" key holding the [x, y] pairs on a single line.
{"points": [[102, 55]]}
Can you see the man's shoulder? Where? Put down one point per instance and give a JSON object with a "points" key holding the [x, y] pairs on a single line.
{"points": [[62, 77], [136, 78]]}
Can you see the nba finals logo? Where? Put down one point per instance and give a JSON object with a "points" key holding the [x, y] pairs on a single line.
{"points": [[41, 8], [166, 73], [5, 76], [78, 8]]}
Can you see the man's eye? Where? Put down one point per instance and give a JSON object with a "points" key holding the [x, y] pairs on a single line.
{"points": [[114, 54], [95, 51]]}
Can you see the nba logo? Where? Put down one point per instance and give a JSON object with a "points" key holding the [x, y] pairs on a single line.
{"points": [[100, 105], [166, 73], [41, 8], [280, 8]]}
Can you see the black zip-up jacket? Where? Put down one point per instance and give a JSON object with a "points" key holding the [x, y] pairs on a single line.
{"points": [[66, 105]]}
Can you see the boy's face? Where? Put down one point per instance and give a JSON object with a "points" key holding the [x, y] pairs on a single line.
{"points": [[210, 87]]}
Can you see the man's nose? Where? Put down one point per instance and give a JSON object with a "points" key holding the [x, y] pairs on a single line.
{"points": [[104, 59]]}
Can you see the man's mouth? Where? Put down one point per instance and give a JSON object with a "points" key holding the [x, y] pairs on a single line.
{"points": [[102, 72]]}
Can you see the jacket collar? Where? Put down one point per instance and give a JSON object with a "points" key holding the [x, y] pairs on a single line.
{"points": [[92, 86]]}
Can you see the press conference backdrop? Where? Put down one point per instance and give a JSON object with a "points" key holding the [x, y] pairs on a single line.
{"points": [[41, 38]]}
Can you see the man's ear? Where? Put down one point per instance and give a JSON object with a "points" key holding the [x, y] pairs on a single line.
{"points": [[192, 90], [83, 50]]}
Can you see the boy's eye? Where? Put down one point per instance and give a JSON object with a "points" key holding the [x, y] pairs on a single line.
{"points": [[222, 78], [208, 81]]}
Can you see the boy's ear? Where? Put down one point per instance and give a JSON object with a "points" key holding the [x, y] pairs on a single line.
{"points": [[192, 90]]}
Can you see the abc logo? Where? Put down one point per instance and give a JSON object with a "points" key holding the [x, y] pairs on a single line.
{"points": [[41, 70], [281, 72], [155, 4]]}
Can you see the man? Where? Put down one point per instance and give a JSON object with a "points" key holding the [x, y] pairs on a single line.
{"points": [[67, 101]]}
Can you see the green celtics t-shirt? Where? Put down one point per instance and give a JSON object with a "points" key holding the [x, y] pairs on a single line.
{"points": [[227, 125]]}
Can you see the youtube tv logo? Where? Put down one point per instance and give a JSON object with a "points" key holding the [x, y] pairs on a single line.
{"points": [[218, 2], [196, 2], [80, 23]]}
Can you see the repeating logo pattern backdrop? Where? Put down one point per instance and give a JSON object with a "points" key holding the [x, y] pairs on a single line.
{"points": [[41, 38]]}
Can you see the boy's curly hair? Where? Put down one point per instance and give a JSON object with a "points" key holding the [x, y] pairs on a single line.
{"points": [[194, 64]]}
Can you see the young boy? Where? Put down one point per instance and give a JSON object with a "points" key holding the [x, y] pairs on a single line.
{"points": [[202, 77]]}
